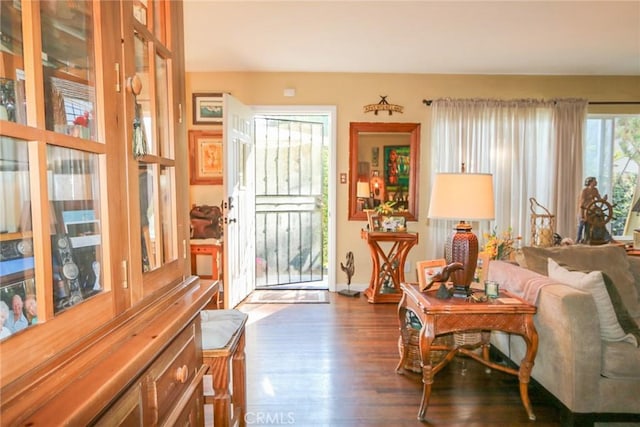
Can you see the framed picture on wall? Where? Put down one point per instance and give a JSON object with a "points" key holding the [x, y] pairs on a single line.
{"points": [[397, 159], [427, 270], [207, 108], [205, 157]]}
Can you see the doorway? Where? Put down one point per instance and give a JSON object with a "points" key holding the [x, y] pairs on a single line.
{"points": [[294, 197]]}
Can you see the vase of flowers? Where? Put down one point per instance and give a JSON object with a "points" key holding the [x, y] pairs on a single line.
{"points": [[386, 209], [499, 245]]}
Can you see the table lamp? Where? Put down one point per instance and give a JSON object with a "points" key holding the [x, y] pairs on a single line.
{"points": [[462, 196], [363, 193]]}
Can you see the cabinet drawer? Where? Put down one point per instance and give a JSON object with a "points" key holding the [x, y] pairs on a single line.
{"points": [[170, 375], [127, 411], [192, 414], [202, 249]]}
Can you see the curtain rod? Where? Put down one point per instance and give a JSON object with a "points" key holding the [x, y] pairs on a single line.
{"points": [[428, 102]]}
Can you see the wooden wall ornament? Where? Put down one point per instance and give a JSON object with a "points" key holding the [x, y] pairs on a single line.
{"points": [[383, 105]]}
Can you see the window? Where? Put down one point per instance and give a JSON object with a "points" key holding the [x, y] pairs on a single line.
{"points": [[612, 155]]}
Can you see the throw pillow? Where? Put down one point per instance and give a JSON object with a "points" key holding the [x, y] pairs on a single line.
{"points": [[628, 324], [593, 282], [609, 259]]}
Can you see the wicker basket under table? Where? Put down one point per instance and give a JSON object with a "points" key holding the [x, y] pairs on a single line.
{"points": [[413, 357]]}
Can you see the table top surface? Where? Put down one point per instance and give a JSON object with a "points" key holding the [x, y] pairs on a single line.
{"points": [[388, 235], [505, 303]]}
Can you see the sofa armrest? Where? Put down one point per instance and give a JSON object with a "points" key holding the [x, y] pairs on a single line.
{"points": [[568, 363]]}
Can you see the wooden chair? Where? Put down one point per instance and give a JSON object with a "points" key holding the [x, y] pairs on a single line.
{"points": [[223, 352]]}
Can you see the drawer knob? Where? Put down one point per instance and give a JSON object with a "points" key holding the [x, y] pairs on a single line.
{"points": [[182, 374]]}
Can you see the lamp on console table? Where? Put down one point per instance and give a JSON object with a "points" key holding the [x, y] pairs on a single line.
{"points": [[363, 193], [462, 196]]}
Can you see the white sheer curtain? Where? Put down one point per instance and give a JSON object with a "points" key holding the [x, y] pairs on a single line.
{"points": [[528, 146]]}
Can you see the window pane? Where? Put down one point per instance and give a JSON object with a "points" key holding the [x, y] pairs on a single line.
{"points": [[167, 205], [69, 67], [612, 155], [12, 93], [140, 11], [17, 284], [76, 226], [144, 98], [162, 106], [146, 177]]}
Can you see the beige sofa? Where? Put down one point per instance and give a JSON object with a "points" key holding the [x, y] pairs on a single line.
{"points": [[593, 378]]}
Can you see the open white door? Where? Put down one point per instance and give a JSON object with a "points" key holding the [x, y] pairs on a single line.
{"points": [[239, 187]]}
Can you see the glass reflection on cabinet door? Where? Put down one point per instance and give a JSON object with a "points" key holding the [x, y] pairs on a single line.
{"points": [[69, 67], [12, 76], [76, 226], [18, 299]]}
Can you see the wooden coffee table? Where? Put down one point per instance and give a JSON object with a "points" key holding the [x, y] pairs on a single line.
{"points": [[508, 313]]}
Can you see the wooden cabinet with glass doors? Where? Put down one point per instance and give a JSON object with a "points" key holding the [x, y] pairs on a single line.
{"points": [[93, 227]]}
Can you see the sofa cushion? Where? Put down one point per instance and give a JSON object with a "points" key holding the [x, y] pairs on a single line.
{"points": [[620, 360], [593, 282], [612, 260]]}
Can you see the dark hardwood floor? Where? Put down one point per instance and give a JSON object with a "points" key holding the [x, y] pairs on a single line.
{"points": [[334, 365]]}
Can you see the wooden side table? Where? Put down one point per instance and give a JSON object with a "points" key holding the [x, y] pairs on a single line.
{"points": [[508, 313], [213, 247], [388, 266]]}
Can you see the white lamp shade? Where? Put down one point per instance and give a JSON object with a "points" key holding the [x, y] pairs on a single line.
{"points": [[462, 196], [362, 189]]}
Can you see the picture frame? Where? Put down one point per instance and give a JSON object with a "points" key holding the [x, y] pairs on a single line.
{"points": [[207, 108], [205, 157], [427, 270], [401, 222], [397, 159], [374, 220]]}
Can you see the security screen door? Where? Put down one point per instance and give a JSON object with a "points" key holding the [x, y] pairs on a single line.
{"points": [[289, 203]]}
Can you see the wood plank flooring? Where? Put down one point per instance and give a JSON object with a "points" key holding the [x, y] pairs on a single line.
{"points": [[334, 365]]}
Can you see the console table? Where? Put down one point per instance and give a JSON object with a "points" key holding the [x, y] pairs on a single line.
{"points": [[388, 266], [508, 313]]}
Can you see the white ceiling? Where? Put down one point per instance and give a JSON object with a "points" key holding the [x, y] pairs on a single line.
{"points": [[452, 37]]}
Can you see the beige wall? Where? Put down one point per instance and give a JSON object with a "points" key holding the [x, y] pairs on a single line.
{"points": [[350, 92]]}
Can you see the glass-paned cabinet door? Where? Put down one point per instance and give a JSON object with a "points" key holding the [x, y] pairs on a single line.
{"points": [[76, 242], [12, 76], [69, 67], [158, 217], [18, 298], [156, 164]]}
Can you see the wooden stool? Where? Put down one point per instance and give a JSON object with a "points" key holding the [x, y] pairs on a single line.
{"points": [[213, 247], [223, 352]]}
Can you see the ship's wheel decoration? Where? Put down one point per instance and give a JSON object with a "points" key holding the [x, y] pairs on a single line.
{"points": [[383, 105], [597, 215]]}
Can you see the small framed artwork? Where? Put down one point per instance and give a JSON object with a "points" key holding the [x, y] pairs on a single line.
{"points": [[205, 157], [427, 271], [401, 222], [375, 155], [374, 221], [207, 108]]}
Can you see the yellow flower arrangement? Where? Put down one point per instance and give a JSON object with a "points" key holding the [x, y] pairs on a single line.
{"points": [[386, 208], [499, 246]]}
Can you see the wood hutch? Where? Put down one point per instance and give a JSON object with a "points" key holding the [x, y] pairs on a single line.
{"points": [[103, 323]]}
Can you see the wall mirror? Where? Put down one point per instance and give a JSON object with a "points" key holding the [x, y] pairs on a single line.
{"points": [[384, 165]]}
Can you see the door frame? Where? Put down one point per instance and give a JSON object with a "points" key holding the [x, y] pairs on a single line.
{"points": [[331, 111]]}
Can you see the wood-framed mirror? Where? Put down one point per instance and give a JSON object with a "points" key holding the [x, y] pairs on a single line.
{"points": [[383, 162]]}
